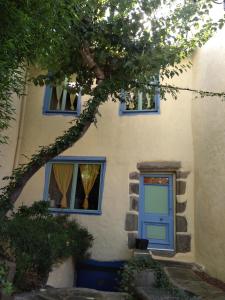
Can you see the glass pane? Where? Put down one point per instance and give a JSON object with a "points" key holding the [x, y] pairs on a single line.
{"points": [[156, 180], [156, 232], [92, 189], [156, 199], [131, 100], [148, 101], [63, 100], [59, 185]]}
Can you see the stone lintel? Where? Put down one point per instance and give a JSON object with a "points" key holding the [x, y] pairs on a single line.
{"points": [[154, 166], [182, 174]]}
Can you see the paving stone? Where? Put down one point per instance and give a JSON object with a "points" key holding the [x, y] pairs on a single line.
{"points": [[159, 165], [180, 187], [145, 278], [134, 188], [134, 203], [71, 294], [187, 280], [134, 175], [131, 222], [181, 224], [181, 207]]}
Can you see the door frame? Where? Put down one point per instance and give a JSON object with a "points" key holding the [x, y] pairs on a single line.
{"points": [[173, 214]]}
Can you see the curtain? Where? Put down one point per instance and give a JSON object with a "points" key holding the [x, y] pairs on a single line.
{"points": [[63, 175], [89, 174]]}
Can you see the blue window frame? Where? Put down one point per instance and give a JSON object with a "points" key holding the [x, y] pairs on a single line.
{"points": [[58, 100], [140, 101], [75, 184]]}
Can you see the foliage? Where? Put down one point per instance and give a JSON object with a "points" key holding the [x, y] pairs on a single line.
{"points": [[37, 240], [137, 264], [109, 45], [5, 285]]}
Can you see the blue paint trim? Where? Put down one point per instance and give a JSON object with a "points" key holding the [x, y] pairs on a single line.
{"points": [[75, 211], [76, 159], [156, 111], [79, 158], [47, 97], [154, 219]]}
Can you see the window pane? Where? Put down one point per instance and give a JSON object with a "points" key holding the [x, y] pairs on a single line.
{"points": [[156, 232], [62, 100], [60, 185], [88, 188], [156, 199], [131, 100], [148, 101], [140, 101]]}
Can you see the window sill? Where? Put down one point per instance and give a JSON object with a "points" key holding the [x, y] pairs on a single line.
{"points": [[138, 112], [74, 211], [62, 113]]}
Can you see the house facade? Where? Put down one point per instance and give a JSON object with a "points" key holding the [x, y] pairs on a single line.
{"points": [[150, 169]]}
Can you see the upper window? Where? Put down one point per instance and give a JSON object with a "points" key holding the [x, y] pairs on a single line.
{"points": [[58, 100], [140, 101], [75, 185]]}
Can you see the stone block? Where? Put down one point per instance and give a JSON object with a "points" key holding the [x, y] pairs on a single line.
{"points": [[183, 243], [132, 239], [134, 203], [131, 222], [149, 166], [134, 175], [180, 187], [181, 207], [181, 224], [134, 188], [182, 174]]}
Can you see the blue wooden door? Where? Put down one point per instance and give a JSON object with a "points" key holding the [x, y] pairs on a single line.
{"points": [[156, 212]]}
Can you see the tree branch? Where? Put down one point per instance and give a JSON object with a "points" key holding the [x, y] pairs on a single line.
{"points": [[91, 64]]}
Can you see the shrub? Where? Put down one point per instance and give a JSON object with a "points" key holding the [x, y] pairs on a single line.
{"points": [[5, 285], [37, 240]]}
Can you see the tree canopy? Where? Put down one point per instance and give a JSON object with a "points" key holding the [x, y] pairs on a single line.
{"points": [[109, 44]]}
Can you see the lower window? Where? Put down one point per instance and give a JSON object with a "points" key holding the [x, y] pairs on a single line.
{"points": [[75, 184]]}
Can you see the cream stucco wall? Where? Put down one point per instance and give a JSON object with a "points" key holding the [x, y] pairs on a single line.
{"points": [[208, 117], [124, 141], [8, 159]]}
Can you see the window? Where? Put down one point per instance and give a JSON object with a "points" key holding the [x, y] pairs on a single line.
{"points": [[136, 102], [75, 184], [58, 100]]}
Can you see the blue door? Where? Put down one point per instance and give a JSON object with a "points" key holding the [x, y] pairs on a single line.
{"points": [[156, 212]]}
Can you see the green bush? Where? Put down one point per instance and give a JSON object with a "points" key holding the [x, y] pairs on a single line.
{"points": [[5, 286], [37, 240]]}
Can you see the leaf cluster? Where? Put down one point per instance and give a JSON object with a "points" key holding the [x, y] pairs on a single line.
{"points": [[37, 240], [132, 269]]}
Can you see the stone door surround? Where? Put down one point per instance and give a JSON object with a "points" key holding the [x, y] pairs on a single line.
{"points": [[183, 238]]}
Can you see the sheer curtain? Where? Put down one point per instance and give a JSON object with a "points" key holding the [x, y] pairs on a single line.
{"points": [[89, 174], [63, 175]]}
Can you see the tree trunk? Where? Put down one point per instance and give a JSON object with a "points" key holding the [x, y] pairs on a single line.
{"points": [[21, 175]]}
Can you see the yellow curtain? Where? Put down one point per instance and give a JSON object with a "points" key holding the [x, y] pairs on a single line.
{"points": [[89, 174], [63, 175]]}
